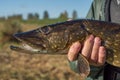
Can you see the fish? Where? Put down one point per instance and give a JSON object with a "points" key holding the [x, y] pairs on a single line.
{"points": [[56, 39]]}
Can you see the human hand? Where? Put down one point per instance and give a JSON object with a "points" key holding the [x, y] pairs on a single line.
{"points": [[92, 50]]}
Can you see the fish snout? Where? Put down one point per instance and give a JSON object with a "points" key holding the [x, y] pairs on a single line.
{"points": [[24, 35]]}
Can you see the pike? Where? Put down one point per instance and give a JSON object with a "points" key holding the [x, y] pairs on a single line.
{"points": [[57, 38]]}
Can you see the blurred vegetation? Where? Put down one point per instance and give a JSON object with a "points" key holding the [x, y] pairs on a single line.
{"points": [[46, 15], [74, 15], [33, 16], [20, 66], [10, 28]]}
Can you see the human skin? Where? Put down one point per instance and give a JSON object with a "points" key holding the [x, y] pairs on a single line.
{"points": [[91, 50]]}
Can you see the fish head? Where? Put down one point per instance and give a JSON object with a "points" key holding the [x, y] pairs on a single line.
{"points": [[47, 39]]}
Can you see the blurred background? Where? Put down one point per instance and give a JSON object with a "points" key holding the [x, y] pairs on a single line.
{"points": [[22, 15]]}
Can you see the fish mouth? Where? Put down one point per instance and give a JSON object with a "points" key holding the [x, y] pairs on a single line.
{"points": [[24, 48]]}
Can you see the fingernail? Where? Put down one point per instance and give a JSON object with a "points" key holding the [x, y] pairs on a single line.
{"points": [[97, 40], [102, 48], [91, 38], [76, 45]]}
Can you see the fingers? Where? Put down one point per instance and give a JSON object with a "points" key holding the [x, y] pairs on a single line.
{"points": [[73, 51], [95, 49], [102, 55], [92, 50], [98, 54], [87, 49]]}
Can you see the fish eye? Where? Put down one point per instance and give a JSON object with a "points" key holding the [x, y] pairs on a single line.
{"points": [[45, 30]]}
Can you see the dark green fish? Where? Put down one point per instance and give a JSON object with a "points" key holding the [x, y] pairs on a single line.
{"points": [[57, 38]]}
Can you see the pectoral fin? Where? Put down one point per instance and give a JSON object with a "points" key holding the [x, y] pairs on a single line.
{"points": [[83, 66]]}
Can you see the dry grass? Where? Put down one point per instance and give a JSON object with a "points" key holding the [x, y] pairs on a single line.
{"points": [[20, 66]]}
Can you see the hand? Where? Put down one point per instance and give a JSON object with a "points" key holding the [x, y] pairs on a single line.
{"points": [[92, 50]]}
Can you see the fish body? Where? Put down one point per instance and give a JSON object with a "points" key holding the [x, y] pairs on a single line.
{"points": [[57, 38]]}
